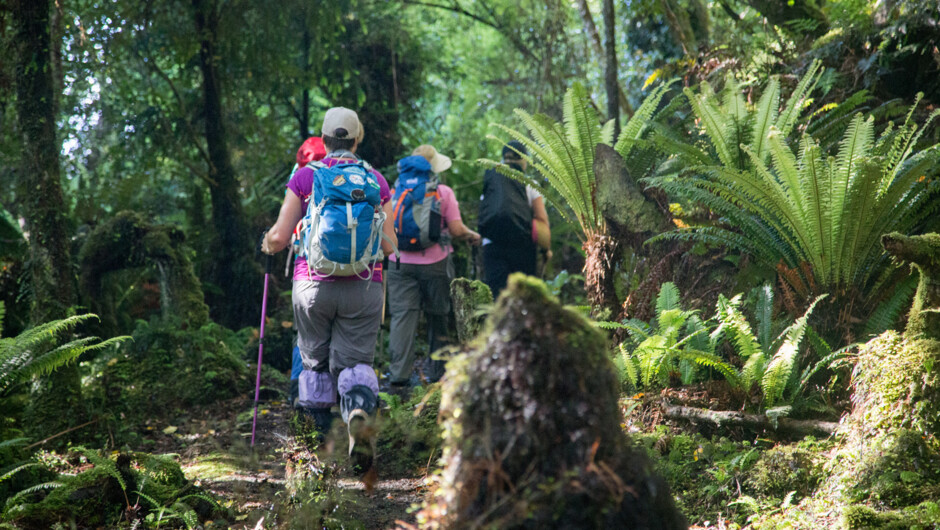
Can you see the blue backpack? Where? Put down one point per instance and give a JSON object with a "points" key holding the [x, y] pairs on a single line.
{"points": [[417, 215], [341, 232]]}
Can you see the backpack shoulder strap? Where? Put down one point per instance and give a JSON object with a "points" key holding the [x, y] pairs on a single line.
{"points": [[316, 164]]}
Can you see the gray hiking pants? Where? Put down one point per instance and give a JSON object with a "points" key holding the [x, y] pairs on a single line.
{"points": [[411, 288], [337, 323]]}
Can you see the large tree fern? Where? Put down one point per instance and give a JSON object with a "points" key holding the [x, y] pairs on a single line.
{"points": [[815, 217]]}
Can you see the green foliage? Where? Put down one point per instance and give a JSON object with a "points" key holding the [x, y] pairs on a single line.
{"points": [[92, 489], [771, 364], [815, 218], [39, 351], [409, 436], [563, 153], [166, 367], [674, 345]]}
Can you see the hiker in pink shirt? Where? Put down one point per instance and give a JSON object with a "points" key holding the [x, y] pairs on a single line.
{"points": [[426, 219]]}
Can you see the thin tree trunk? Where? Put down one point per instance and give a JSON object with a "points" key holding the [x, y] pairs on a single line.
{"points": [[595, 39], [305, 93], [610, 69], [54, 405], [230, 270]]}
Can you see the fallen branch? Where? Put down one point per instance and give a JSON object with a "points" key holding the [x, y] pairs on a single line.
{"points": [[66, 431], [741, 419]]}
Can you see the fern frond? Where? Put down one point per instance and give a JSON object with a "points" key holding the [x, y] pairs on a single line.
{"points": [[714, 362], [13, 442], [791, 111], [649, 355], [767, 108], [825, 363], [668, 297], [714, 124], [12, 501], [627, 368], [105, 464], [753, 370], [729, 314], [17, 469], [889, 311], [634, 129], [781, 366], [764, 312]]}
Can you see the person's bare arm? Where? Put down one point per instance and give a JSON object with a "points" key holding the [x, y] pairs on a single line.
{"points": [[458, 230], [540, 221], [278, 236], [388, 229]]}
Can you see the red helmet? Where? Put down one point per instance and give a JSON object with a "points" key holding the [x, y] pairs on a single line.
{"points": [[311, 151]]}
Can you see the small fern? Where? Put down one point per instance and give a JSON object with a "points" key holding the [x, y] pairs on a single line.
{"points": [[677, 342], [37, 351]]}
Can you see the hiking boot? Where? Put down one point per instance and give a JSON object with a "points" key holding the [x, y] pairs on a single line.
{"points": [[361, 441]]}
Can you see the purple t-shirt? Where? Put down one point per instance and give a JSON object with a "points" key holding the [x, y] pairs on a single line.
{"points": [[302, 186]]}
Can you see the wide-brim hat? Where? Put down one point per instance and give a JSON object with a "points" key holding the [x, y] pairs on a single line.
{"points": [[439, 163]]}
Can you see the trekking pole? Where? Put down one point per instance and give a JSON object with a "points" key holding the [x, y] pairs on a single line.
{"points": [[264, 311]]}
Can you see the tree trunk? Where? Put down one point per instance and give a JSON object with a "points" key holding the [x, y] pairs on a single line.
{"points": [[595, 39], [230, 270], [630, 217], [601, 254], [610, 69], [305, 40], [55, 404]]}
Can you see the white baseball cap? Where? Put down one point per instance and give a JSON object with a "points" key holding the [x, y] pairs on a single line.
{"points": [[341, 123]]}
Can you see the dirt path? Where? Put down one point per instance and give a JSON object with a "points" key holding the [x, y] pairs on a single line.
{"points": [[261, 485]]}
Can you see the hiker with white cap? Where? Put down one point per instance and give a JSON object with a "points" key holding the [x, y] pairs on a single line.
{"points": [[426, 220], [337, 291]]}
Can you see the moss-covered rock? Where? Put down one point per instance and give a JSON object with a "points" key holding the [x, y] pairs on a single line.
{"points": [[532, 433], [921, 517], [784, 469]]}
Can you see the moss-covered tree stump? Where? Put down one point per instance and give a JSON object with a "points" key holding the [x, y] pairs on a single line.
{"points": [[469, 297], [532, 429], [129, 241]]}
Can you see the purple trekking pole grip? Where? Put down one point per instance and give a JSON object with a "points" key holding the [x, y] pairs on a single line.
{"points": [[264, 312]]}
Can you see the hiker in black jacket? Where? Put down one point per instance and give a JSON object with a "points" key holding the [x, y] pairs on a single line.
{"points": [[513, 222]]}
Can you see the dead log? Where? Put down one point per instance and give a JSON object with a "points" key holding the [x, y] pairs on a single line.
{"points": [[752, 421]]}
